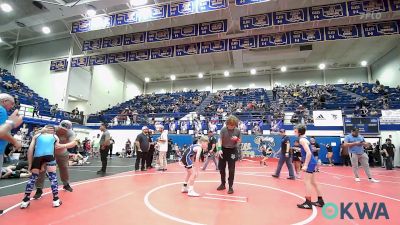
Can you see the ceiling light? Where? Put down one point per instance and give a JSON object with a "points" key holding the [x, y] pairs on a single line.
{"points": [[252, 85], [138, 2], [1, 40], [322, 66], [46, 30], [201, 75], [6, 7], [91, 12], [283, 68], [308, 82], [226, 73], [340, 81], [185, 89], [364, 63], [230, 86], [147, 80], [253, 71], [173, 77]]}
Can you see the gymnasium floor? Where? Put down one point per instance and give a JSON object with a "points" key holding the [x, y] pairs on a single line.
{"points": [[151, 197]]}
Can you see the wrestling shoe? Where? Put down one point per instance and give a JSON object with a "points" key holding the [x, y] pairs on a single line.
{"points": [[68, 188], [38, 194], [192, 193], [57, 203]]}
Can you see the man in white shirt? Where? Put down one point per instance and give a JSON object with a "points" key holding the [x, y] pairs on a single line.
{"points": [[163, 148]]}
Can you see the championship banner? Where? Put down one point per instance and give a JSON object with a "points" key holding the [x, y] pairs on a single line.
{"points": [[256, 21], [390, 116], [96, 23], [211, 5], [214, 27], [92, 44], [305, 36], [243, 43], [343, 32], [185, 31], [360, 7], [159, 35], [214, 46], [395, 5], [96, 60], [148, 13], [270, 40], [328, 118], [59, 65], [182, 8], [381, 28], [188, 49], [79, 61], [164, 52], [115, 41], [135, 38], [139, 55], [248, 2], [290, 16], [326, 12], [117, 57]]}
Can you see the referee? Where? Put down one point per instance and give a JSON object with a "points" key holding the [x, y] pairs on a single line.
{"points": [[228, 146]]}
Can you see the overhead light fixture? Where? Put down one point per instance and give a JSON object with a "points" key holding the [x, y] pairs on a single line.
{"points": [[1, 40], [185, 89], [283, 69], [340, 81], [308, 82], [226, 73], [46, 30], [146, 79], [364, 63], [173, 77], [91, 11], [6, 7], [230, 86], [253, 71], [322, 66], [201, 75], [252, 85], [138, 2]]}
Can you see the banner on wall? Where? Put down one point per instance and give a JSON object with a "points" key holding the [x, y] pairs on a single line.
{"points": [[248, 2], [325, 12], [59, 65], [135, 38], [361, 7], [187, 49], [390, 116], [328, 118], [185, 31], [256, 21], [290, 16], [381, 28], [113, 41], [343, 32]]}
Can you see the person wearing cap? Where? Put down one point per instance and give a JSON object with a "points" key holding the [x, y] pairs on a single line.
{"points": [[356, 143], [388, 153], [285, 156], [142, 146], [163, 148], [104, 148], [210, 154], [66, 135]]}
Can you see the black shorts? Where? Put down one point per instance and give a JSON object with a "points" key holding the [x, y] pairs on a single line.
{"points": [[315, 154], [187, 161], [264, 154], [39, 161]]}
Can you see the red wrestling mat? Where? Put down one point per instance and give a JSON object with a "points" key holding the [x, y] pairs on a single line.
{"points": [[154, 198]]}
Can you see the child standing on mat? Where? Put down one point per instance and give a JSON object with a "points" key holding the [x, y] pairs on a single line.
{"points": [[41, 158], [309, 165], [266, 153], [190, 158]]}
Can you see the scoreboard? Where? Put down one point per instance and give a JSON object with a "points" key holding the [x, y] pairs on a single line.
{"points": [[366, 125]]}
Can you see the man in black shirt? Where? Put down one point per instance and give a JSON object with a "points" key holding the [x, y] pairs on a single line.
{"points": [[142, 146], [285, 156], [388, 153], [210, 155], [151, 151]]}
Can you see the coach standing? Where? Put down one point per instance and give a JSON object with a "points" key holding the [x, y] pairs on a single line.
{"points": [[163, 148], [142, 146], [228, 146], [104, 147], [285, 156]]}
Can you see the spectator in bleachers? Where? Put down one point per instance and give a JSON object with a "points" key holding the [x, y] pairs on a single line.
{"points": [[75, 113], [373, 112], [256, 129], [364, 111], [53, 110]]}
